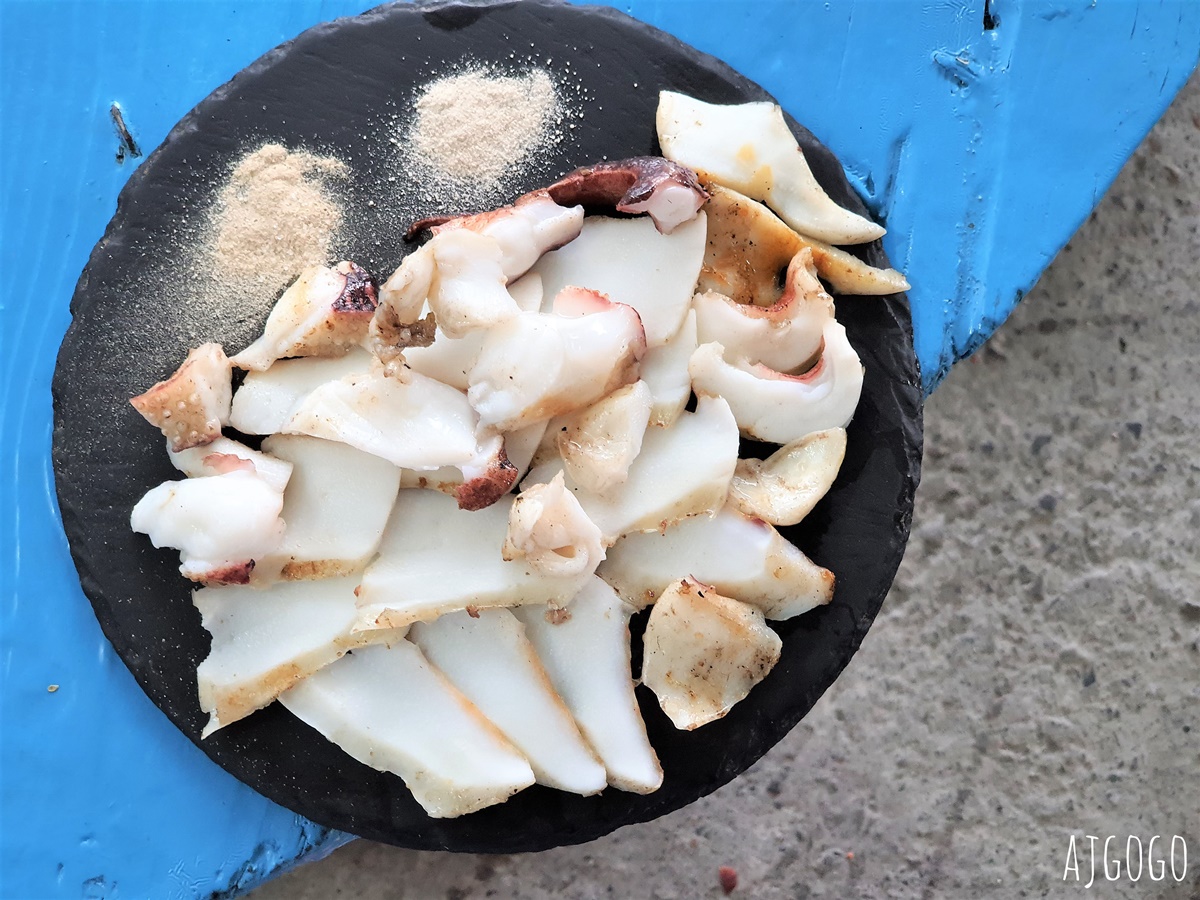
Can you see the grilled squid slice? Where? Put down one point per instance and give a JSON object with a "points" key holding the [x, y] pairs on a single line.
{"points": [[680, 472], [783, 488], [469, 291], [390, 709], [398, 322], [784, 336], [600, 443], [771, 406], [435, 559], [539, 365], [665, 371], [524, 231], [704, 652], [742, 557], [336, 506], [266, 400], [669, 193], [750, 148], [191, 406], [748, 246], [324, 313], [629, 262], [489, 658], [586, 654], [264, 640], [419, 424], [550, 531], [220, 524]]}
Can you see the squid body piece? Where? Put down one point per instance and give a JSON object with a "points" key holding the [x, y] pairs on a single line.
{"points": [[681, 471], [630, 262], [491, 661], [599, 444], [220, 524], [264, 640], [539, 365], [325, 312], [335, 507], [524, 231], [436, 558], [748, 246], [418, 424], [783, 488], [748, 147], [391, 710], [587, 657], [784, 336], [770, 406], [704, 652], [665, 371], [740, 556], [191, 406], [266, 400]]}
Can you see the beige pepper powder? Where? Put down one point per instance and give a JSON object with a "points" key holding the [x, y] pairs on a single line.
{"points": [[275, 216], [473, 131]]}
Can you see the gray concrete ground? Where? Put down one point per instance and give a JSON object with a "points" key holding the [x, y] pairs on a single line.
{"points": [[1034, 673]]}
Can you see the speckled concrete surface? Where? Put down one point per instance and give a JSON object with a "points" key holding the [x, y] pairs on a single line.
{"points": [[1034, 673]]}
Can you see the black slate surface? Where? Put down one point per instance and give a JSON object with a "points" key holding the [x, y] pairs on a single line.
{"points": [[334, 89]]}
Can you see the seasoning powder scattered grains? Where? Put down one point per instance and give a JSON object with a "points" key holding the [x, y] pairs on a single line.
{"points": [[474, 132], [274, 217]]}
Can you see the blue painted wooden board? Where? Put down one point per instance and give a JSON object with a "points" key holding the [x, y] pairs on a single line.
{"points": [[982, 149]]}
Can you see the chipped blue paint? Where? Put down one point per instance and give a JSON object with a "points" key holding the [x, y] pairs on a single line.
{"points": [[982, 150]]}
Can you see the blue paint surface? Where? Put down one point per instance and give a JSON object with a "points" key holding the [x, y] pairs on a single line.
{"points": [[982, 149]]}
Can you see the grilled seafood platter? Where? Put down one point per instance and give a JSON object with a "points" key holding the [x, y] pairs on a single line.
{"points": [[469, 475], [501, 522]]}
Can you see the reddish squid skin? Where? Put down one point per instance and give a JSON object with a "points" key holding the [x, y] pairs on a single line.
{"points": [[419, 227], [488, 488], [359, 295], [238, 573], [624, 183], [471, 221], [221, 463], [474, 221], [618, 185]]}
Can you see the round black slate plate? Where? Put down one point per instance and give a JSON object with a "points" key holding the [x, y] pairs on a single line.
{"points": [[335, 88]]}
